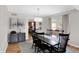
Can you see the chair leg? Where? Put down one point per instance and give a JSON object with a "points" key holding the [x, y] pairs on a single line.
{"points": [[33, 45], [50, 51], [38, 50]]}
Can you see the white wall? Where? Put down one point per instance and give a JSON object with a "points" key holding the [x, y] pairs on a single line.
{"points": [[26, 27], [3, 28], [65, 23], [74, 29], [46, 24], [70, 25]]}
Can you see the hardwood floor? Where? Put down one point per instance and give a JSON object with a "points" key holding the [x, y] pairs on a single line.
{"points": [[30, 38], [13, 48], [73, 49], [26, 47]]}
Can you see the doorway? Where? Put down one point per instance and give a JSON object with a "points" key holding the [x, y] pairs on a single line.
{"points": [[31, 27]]}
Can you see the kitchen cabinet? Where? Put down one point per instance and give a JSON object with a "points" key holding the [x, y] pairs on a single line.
{"points": [[18, 37]]}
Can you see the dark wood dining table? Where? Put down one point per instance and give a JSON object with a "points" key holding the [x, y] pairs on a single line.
{"points": [[49, 39]]}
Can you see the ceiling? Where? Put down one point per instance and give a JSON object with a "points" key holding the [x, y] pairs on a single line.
{"points": [[39, 10]]}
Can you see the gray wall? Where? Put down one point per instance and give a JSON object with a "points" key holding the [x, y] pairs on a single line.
{"points": [[65, 23], [74, 29]]}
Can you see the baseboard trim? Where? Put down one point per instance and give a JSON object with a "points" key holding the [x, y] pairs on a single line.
{"points": [[74, 46]]}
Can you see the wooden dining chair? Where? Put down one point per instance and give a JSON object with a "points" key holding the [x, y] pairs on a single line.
{"points": [[34, 34], [33, 38], [42, 47], [61, 46]]}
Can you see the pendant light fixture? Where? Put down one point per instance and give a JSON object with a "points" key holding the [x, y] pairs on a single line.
{"points": [[38, 18]]}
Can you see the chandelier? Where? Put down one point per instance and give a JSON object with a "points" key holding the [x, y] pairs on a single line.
{"points": [[38, 18]]}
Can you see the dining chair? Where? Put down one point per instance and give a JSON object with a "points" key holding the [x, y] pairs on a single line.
{"points": [[62, 44], [34, 39], [41, 46], [37, 42]]}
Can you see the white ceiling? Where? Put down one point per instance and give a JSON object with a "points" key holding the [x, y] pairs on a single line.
{"points": [[44, 10]]}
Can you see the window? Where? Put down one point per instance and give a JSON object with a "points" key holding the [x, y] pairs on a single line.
{"points": [[56, 23], [54, 26]]}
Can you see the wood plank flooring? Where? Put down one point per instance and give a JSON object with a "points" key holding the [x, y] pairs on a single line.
{"points": [[17, 48], [13, 48]]}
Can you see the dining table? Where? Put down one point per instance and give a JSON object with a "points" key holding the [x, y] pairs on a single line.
{"points": [[49, 39]]}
